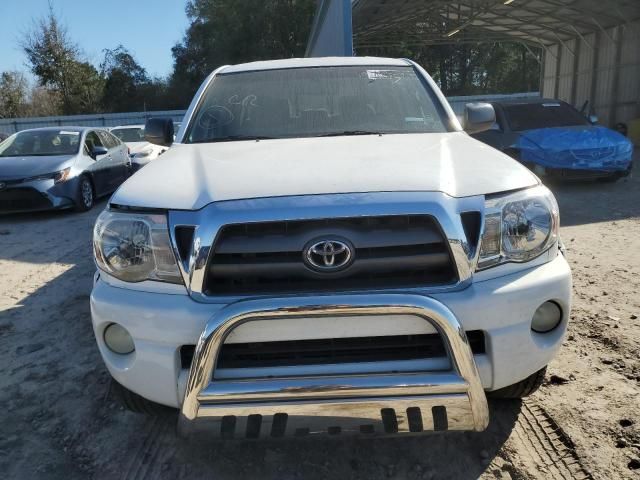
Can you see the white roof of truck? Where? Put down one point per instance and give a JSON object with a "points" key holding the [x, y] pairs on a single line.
{"points": [[314, 62]]}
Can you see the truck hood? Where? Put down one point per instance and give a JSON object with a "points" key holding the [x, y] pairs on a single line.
{"points": [[190, 176]]}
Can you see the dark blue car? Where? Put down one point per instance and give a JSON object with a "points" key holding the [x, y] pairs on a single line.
{"points": [[555, 140]]}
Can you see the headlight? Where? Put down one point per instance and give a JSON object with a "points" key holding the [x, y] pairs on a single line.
{"points": [[135, 247], [57, 177], [518, 227]]}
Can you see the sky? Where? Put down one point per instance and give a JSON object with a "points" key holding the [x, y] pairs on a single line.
{"points": [[147, 28]]}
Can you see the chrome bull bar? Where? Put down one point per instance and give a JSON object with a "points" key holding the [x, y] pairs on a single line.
{"points": [[365, 404]]}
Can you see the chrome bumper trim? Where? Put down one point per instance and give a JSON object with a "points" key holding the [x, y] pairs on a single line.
{"points": [[417, 402], [211, 219]]}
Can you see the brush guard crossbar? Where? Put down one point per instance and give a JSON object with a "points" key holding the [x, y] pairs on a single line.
{"points": [[364, 404]]}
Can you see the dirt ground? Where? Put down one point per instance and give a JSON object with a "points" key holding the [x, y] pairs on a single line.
{"points": [[58, 419]]}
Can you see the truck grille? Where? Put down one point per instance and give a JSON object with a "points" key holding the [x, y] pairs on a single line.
{"points": [[333, 350], [388, 252]]}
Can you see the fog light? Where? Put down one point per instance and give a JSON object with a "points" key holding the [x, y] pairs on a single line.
{"points": [[118, 339], [547, 317]]}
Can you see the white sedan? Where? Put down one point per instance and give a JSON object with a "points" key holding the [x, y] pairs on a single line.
{"points": [[141, 151]]}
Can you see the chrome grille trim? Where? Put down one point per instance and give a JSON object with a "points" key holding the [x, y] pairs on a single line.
{"points": [[209, 221], [387, 251]]}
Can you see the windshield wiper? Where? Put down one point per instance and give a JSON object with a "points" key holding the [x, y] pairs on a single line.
{"points": [[233, 138], [350, 132]]}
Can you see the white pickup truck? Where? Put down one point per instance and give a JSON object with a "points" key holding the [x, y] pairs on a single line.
{"points": [[324, 249]]}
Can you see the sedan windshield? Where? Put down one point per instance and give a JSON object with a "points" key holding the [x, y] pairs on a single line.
{"points": [[129, 134], [320, 101], [41, 143], [530, 116]]}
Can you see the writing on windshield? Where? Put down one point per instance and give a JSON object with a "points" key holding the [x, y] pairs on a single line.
{"points": [[315, 101]]}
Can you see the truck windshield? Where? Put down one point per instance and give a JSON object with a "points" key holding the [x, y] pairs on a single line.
{"points": [[531, 116], [316, 101], [38, 143]]}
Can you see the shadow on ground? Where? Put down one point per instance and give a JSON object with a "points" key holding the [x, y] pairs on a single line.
{"points": [[45, 237], [444, 455], [593, 202], [60, 421]]}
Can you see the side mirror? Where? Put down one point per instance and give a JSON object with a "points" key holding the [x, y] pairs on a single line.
{"points": [[159, 131], [593, 119], [478, 117], [98, 152]]}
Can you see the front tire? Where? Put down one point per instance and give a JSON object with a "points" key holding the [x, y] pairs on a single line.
{"points": [[85, 197], [523, 388], [135, 403]]}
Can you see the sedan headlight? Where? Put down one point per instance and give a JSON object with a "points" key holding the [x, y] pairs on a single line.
{"points": [[57, 177], [135, 247], [518, 227]]}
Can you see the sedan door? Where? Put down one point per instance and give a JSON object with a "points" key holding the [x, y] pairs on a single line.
{"points": [[100, 168], [117, 164], [121, 154]]}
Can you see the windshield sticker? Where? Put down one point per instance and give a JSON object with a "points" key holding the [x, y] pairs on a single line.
{"points": [[384, 75], [65, 132]]}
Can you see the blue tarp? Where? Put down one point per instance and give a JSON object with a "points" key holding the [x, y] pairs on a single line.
{"points": [[583, 148]]}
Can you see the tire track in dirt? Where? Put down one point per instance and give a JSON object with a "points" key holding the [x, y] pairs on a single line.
{"points": [[156, 450], [542, 448], [537, 448]]}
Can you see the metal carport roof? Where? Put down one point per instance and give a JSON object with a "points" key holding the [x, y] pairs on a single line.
{"points": [[591, 48], [534, 22]]}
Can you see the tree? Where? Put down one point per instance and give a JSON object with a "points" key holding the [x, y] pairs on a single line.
{"points": [[472, 68], [43, 102], [126, 81], [228, 31], [13, 94], [55, 60]]}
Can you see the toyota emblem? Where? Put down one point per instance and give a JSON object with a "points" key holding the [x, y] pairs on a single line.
{"points": [[328, 255]]}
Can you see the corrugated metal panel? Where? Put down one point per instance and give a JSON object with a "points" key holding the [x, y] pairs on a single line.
{"points": [[566, 69], [615, 73], [605, 77], [11, 125], [550, 64], [585, 65]]}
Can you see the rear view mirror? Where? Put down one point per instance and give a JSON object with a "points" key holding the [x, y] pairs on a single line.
{"points": [[159, 131], [478, 117], [98, 152]]}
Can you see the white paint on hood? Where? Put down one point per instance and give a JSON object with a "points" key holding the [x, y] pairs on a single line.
{"points": [[190, 176]]}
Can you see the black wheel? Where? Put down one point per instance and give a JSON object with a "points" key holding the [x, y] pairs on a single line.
{"points": [[523, 388], [135, 403], [85, 197]]}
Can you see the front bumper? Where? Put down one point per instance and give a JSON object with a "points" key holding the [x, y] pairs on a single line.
{"points": [[570, 174], [290, 406], [36, 196], [502, 307]]}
